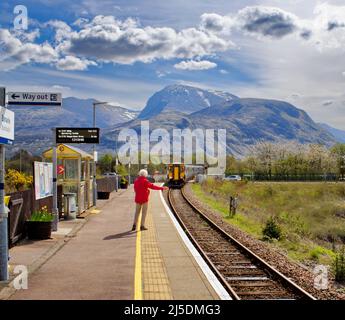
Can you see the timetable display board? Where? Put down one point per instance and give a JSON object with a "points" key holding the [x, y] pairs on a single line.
{"points": [[77, 135]]}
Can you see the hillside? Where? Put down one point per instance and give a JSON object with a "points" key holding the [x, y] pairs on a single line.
{"points": [[33, 124], [247, 121]]}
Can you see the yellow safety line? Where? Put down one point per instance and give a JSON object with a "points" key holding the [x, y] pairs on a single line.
{"points": [[138, 290]]}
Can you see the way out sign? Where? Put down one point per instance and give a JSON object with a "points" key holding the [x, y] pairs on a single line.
{"points": [[6, 126], [34, 98]]}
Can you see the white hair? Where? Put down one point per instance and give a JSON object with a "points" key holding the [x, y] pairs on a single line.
{"points": [[143, 173]]}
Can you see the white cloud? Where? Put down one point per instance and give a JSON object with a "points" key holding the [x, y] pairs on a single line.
{"points": [[161, 74], [222, 71], [195, 65], [14, 52], [267, 21], [60, 88], [329, 27], [216, 23], [80, 22], [108, 39], [27, 36], [325, 29], [62, 29], [261, 21], [74, 63]]}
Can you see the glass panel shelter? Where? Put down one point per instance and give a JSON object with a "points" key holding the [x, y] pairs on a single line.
{"points": [[74, 173]]}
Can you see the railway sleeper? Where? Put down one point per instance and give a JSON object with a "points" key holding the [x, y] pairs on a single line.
{"points": [[243, 273], [262, 295]]}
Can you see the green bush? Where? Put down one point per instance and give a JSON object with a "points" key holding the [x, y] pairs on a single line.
{"points": [[272, 230], [42, 215], [339, 266], [123, 180]]}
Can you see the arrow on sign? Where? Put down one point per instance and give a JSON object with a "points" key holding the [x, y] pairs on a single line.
{"points": [[60, 169], [14, 96]]}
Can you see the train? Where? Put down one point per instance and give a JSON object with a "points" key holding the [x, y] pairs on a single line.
{"points": [[179, 173]]}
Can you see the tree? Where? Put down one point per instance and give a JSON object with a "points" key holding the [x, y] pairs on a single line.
{"points": [[338, 151], [105, 163]]}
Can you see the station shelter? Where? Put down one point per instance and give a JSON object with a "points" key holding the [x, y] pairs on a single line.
{"points": [[75, 173]]}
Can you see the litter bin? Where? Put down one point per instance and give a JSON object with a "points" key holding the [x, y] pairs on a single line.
{"points": [[70, 207]]}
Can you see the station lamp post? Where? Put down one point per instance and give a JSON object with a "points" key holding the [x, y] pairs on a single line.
{"points": [[94, 183]]}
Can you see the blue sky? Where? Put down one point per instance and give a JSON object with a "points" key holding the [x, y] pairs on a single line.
{"points": [[124, 51]]}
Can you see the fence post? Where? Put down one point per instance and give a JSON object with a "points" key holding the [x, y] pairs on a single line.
{"points": [[230, 206]]}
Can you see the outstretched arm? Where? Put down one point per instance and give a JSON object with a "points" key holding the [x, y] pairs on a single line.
{"points": [[154, 187]]}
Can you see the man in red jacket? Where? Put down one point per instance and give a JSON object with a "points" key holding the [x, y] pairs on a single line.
{"points": [[142, 192]]}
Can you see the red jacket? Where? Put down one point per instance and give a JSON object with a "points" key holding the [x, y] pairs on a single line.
{"points": [[141, 188]]}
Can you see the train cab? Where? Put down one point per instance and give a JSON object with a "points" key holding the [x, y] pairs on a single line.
{"points": [[176, 175]]}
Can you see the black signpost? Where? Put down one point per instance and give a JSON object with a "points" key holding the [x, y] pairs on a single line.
{"points": [[2, 96], [77, 135]]}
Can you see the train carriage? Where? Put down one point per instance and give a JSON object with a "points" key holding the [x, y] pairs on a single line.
{"points": [[179, 173]]}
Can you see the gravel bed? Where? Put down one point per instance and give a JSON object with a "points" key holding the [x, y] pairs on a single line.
{"points": [[297, 272]]}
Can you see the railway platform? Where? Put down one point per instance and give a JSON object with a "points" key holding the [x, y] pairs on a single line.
{"points": [[103, 259]]}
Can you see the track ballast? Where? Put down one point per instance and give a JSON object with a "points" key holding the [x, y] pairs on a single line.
{"points": [[245, 275]]}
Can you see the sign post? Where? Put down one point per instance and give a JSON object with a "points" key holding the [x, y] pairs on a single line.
{"points": [[6, 137], [2, 97], [55, 207], [39, 99]]}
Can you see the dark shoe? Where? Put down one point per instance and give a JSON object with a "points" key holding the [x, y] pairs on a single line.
{"points": [[134, 227], [143, 228]]}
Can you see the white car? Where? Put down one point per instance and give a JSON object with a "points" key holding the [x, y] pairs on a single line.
{"points": [[234, 177], [110, 174]]}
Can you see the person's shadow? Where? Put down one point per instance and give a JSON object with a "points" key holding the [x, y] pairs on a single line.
{"points": [[127, 234]]}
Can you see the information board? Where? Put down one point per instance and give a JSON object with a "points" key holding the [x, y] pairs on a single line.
{"points": [[43, 173], [77, 135]]}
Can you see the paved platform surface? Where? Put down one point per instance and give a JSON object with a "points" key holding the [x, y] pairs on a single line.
{"points": [[98, 263], [177, 275], [105, 260]]}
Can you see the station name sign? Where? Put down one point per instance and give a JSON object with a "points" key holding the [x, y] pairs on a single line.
{"points": [[34, 98], [6, 126], [77, 135]]}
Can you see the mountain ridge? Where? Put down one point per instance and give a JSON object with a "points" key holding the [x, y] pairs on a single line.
{"points": [[247, 120]]}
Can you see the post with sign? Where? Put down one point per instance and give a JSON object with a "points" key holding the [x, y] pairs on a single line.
{"points": [[40, 99], [6, 137], [55, 206]]}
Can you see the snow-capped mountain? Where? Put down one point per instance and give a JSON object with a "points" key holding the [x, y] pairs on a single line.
{"points": [[184, 99], [247, 121]]}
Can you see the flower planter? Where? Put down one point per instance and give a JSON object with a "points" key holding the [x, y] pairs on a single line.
{"points": [[103, 195], [39, 230]]}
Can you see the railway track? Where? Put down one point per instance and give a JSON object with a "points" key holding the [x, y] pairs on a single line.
{"points": [[245, 275]]}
